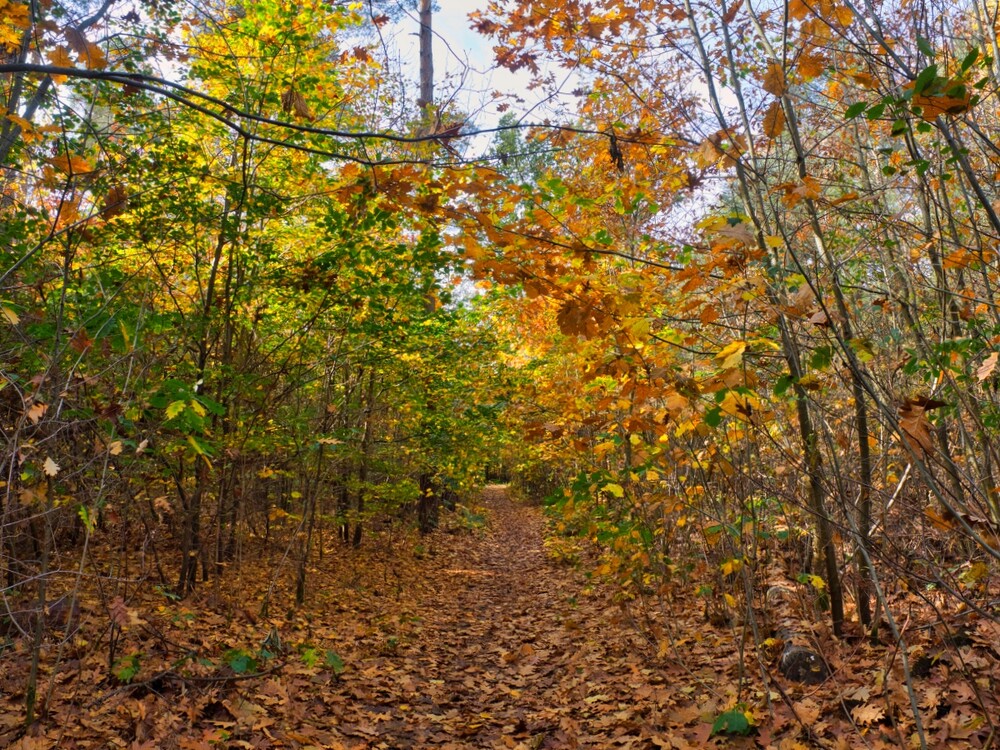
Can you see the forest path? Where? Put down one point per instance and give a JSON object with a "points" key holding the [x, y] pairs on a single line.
{"points": [[470, 637], [507, 652]]}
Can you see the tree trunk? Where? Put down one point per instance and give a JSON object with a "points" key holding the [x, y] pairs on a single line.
{"points": [[426, 99]]}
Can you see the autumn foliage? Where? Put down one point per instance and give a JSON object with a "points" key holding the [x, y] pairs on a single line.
{"points": [[726, 309]]}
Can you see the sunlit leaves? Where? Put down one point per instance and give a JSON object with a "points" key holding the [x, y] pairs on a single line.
{"points": [[731, 355], [15, 18]]}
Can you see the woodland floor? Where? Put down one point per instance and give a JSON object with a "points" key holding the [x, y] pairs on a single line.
{"points": [[474, 638]]}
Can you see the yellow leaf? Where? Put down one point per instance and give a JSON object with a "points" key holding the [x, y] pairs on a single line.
{"points": [[731, 355], [614, 489], [174, 408], [94, 57], [933, 106], [799, 9], [730, 600], [602, 448], [817, 582], [59, 57], [19, 121], [731, 566], [844, 15], [10, 316], [979, 571]]}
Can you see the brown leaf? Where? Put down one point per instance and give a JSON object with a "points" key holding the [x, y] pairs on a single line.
{"points": [[59, 57], [926, 402], [87, 52], [118, 612], [931, 107], [988, 366], [867, 714], [916, 428], [81, 341], [801, 302], [36, 411], [730, 14], [293, 102], [811, 65], [774, 80], [76, 39], [740, 233], [115, 202], [819, 318], [774, 120]]}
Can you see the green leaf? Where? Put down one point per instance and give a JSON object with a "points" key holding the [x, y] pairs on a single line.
{"points": [[876, 111], [88, 520], [240, 661], [310, 656], [713, 417], [821, 358], [970, 59], [924, 46], [126, 668], [732, 722], [925, 79], [855, 109], [782, 384], [335, 663]]}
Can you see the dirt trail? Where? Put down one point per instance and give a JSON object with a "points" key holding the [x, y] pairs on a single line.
{"points": [[507, 652], [477, 640]]}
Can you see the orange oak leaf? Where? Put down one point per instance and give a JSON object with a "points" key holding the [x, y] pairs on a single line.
{"points": [[774, 120], [774, 80]]}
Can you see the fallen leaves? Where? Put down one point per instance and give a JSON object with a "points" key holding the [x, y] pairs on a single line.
{"points": [[483, 643]]}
